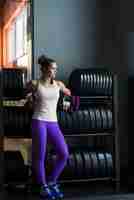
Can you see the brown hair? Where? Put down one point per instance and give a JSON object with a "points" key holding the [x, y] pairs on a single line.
{"points": [[45, 61]]}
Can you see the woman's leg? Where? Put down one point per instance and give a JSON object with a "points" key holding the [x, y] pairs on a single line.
{"points": [[39, 139], [56, 138]]}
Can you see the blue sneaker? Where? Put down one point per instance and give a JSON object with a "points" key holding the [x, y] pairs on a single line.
{"points": [[46, 193], [55, 189]]}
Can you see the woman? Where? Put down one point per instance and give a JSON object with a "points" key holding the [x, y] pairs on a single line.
{"points": [[45, 126]]}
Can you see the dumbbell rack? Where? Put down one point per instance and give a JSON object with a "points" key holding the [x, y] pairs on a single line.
{"points": [[115, 138], [13, 102]]}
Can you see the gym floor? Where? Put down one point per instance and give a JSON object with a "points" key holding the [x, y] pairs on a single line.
{"points": [[78, 192]]}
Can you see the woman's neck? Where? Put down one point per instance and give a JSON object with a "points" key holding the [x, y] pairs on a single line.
{"points": [[46, 80]]}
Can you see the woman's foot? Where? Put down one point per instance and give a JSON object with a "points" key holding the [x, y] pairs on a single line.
{"points": [[47, 193], [55, 189]]}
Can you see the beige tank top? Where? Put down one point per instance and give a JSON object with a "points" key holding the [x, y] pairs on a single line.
{"points": [[45, 103]]}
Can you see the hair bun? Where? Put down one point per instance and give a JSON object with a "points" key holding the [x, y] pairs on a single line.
{"points": [[42, 59]]}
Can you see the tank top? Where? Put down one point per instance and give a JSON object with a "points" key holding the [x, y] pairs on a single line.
{"points": [[45, 102]]}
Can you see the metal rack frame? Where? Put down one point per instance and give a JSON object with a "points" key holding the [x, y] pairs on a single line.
{"points": [[114, 133]]}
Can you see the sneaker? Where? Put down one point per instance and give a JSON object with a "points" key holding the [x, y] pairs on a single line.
{"points": [[55, 188], [46, 193]]}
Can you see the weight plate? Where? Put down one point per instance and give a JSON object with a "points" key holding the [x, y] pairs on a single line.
{"points": [[77, 120], [83, 164], [82, 81], [88, 83], [80, 116], [99, 118], [74, 120], [105, 119], [104, 83], [79, 164], [76, 167], [110, 84], [109, 114], [107, 84], [109, 164], [102, 164], [94, 164], [94, 77], [101, 84], [88, 165], [97, 83], [71, 120], [92, 118], [85, 81], [102, 115], [91, 78], [108, 122], [86, 119]]}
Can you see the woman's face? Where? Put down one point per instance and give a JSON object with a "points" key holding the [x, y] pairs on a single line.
{"points": [[51, 71]]}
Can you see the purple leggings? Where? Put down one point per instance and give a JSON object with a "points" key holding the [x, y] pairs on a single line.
{"points": [[41, 132]]}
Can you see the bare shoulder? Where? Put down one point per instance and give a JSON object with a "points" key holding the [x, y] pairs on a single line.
{"points": [[60, 83], [32, 84]]}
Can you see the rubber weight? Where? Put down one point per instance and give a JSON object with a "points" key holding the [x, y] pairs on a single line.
{"points": [[107, 84], [88, 165], [80, 119], [102, 164], [79, 164], [98, 116], [110, 85], [95, 164], [92, 118], [85, 82], [109, 164], [101, 84], [72, 165], [86, 119], [110, 120]]}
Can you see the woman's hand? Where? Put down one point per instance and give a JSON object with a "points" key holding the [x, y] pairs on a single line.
{"points": [[66, 106]]}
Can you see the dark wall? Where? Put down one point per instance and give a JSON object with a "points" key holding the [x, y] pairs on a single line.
{"points": [[66, 31], [129, 25], [111, 51]]}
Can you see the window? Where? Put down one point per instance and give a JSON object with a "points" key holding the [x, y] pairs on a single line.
{"points": [[17, 38], [11, 44]]}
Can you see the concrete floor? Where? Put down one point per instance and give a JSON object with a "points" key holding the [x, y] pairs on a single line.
{"points": [[88, 191]]}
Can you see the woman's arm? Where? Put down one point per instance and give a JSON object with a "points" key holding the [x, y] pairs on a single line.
{"points": [[64, 89], [67, 95], [30, 89]]}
